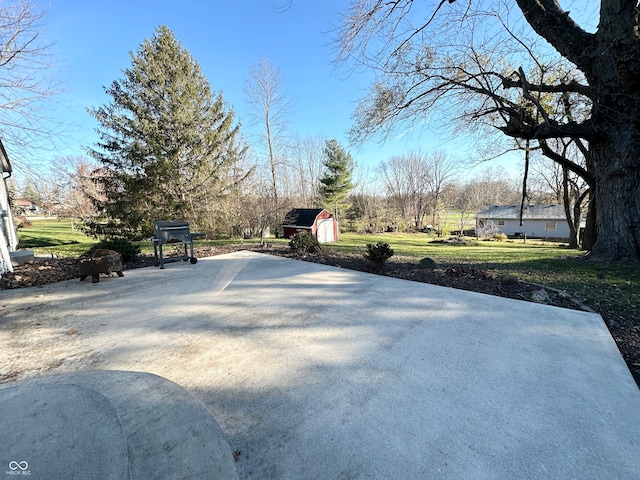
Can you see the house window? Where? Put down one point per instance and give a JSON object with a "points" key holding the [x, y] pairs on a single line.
{"points": [[502, 223], [551, 226]]}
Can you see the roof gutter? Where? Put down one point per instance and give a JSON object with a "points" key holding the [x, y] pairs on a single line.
{"points": [[4, 161]]}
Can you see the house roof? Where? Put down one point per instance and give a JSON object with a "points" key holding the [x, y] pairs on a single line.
{"points": [[531, 212], [23, 202], [5, 164], [302, 217]]}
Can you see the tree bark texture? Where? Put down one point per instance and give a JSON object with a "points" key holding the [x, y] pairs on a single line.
{"points": [[618, 199], [574, 226], [615, 80], [589, 233], [610, 60]]}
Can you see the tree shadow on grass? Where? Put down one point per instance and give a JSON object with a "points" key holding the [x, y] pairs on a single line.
{"points": [[45, 242]]}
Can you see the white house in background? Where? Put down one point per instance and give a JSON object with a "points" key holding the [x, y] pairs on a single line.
{"points": [[24, 206], [538, 221], [8, 236]]}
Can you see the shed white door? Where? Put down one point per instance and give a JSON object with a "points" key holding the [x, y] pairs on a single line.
{"points": [[325, 230]]}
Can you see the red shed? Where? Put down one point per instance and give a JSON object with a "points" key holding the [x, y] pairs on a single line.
{"points": [[318, 221]]}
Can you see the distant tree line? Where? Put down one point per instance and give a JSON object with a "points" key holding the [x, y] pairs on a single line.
{"points": [[169, 147]]}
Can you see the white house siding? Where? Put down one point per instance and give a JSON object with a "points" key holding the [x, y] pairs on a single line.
{"points": [[534, 228], [8, 236], [534, 220]]}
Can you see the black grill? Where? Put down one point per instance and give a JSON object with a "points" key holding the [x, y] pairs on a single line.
{"points": [[174, 233]]}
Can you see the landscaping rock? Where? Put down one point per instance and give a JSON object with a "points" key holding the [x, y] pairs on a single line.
{"points": [[540, 296]]}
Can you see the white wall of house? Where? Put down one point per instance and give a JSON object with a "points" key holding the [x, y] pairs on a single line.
{"points": [[534, 228], [8, 237]]}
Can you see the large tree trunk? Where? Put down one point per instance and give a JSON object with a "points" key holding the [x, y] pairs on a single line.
{"points": [[610, 60], [589, 235], [617, 171], [614, 78]]}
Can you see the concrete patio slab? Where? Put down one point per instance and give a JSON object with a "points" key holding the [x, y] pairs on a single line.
{"points": [[109, 425], [316, 372]]}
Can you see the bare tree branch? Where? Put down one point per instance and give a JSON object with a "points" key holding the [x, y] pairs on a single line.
{"points": [[554, 24], [573, 86], [563, 161], [27, 82]]}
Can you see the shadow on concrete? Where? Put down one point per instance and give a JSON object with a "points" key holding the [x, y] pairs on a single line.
{"points": [[319, 372]]}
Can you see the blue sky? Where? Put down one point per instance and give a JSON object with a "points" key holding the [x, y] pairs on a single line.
{"points": [[93, 40]]}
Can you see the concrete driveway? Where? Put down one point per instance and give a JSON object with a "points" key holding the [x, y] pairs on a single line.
{"points": [[316, 372]]}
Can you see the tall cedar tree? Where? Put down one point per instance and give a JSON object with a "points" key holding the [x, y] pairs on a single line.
{"points": [[336, 183], [167, 144]]}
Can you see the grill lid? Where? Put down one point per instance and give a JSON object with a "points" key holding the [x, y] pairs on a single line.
{"points": [[171, 225]]}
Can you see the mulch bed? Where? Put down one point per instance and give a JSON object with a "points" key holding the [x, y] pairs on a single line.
{"points": [[623, 325]]}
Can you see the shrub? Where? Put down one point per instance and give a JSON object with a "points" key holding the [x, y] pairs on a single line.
{"points": [[500, 237], [487, 230], [124, 247], [456, 241], [428, 263], [22, 222], [378, 253], [303, 243]]}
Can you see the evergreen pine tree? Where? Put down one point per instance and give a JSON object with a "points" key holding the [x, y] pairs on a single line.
{"points": [[336, 183], [168, 145]]}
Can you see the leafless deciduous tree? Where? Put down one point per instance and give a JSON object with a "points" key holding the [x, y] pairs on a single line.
{"points": [[414, 183], [470, 198], [74, 179], [405, 180], [269, 108], [564, 187], [306, 158], [256, 213], [441, 171], [486, 63], [27, 82], [492, 186]]}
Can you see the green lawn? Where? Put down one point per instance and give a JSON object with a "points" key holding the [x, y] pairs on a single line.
{"points": [[63, 238], [602, 286], [54, 237], [420, 245]]}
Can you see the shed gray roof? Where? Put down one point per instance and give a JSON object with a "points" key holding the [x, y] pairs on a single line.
{"points": [[532, 212], [302, 217]]}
